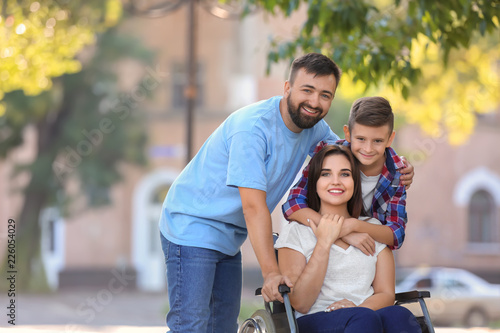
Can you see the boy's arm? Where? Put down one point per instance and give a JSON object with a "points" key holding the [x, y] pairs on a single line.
{"points": [[259, 226], [296, 208], [297, 200], [392, 233], [396, 217], [380, 233]]}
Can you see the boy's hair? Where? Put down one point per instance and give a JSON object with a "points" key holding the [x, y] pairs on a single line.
{"points": [[317, 64], [371, 111], [355, 204]]}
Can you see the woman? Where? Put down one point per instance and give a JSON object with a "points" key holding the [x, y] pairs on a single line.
{"points": [[337, 288]]}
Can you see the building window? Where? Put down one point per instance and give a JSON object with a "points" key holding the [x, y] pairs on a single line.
{"points": [[482, 218], [51, 236], [179, 84], [97, 195]]}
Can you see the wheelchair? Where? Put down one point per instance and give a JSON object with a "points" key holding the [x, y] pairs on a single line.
{"points": [[280, 317]]}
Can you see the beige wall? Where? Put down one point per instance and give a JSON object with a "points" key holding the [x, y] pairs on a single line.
{"points": [[230, 52], [437, 228]]}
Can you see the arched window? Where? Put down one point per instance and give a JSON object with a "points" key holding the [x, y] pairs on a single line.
{"points": [[483, 225]]}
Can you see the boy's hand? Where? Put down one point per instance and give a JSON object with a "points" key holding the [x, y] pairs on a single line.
{"points": [[407, 173], [362, 241], [270, 290]]}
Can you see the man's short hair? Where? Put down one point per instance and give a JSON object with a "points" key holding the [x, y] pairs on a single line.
{"points": [[371, 111], [317, 64]]}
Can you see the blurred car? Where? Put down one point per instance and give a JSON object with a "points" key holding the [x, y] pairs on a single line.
{"points": [[458, 297]]}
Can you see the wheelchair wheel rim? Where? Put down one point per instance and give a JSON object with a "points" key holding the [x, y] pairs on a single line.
{"points": [[261, 321]]}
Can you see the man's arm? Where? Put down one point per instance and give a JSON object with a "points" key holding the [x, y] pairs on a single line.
{"points": [[259, 226], [407, 173]]}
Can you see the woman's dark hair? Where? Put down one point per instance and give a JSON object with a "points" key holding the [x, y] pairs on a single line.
{"points": [[355, 204]]}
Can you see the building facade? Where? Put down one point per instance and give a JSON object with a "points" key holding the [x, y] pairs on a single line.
{"points": [[453, 204], [454, 201]]}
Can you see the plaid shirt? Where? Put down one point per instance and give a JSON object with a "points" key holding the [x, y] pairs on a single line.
{"points": [[389, 200]]}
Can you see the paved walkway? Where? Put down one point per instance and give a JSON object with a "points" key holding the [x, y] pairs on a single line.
{"points": [[85, 311], [131, 329], [95, 308]]}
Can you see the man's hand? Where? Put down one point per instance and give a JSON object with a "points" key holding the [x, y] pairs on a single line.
{"points": [[407, 173], [270, 290], [362, 241]]}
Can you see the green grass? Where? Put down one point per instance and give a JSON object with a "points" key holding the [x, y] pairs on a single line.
{"points": [[248, 307], [495, 324]]}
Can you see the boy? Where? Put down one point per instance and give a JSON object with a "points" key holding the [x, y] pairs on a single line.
{"points": [[369, 135]]}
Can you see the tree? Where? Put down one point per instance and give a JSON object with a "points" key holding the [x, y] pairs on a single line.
{"points": [[373, 40], [412, 47], [39, 41], [447, 100], [85, 126]]}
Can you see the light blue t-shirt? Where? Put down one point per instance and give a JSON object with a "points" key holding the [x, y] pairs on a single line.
{"points": [[252, 148]]}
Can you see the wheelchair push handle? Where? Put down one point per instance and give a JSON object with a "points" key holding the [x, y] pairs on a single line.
{"points": [[282, 288]]}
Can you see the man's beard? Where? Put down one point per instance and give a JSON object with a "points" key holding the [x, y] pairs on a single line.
{"points": [[300, 120]]}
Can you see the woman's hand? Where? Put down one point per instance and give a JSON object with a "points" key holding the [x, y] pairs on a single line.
{"points": [[345, 303], [328, 229]]}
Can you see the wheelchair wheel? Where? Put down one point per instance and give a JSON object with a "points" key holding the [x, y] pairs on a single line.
{"points": [[259, 322]]}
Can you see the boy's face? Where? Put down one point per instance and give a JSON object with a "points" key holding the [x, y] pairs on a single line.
{"points": [[368, 143]]}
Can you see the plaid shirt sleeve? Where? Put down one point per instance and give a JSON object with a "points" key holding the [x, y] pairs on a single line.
{"points": [[297, 198], [389, 207], [395, 216]]}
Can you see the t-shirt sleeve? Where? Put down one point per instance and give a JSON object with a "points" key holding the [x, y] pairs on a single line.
{"points": [[290, 238], [329, 137], [246, 161]]}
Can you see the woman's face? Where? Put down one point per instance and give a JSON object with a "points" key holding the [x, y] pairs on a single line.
{"points": [[335, 185]]}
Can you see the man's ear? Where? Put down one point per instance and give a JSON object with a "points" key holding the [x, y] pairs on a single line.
{"points": [[347, 134], [286, 89], [391, 138]]}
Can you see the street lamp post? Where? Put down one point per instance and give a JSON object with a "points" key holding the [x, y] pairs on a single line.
{"points": [[190, 91], [160, 8]]}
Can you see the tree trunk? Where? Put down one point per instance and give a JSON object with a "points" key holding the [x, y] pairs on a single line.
{"points": [[30, 272], [29, 265]]}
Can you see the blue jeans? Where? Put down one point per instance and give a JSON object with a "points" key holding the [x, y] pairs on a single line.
{"points": [[204, 289], [392, 319]]}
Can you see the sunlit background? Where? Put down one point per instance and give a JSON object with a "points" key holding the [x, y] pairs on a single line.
{"points": [[102, 103]]}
